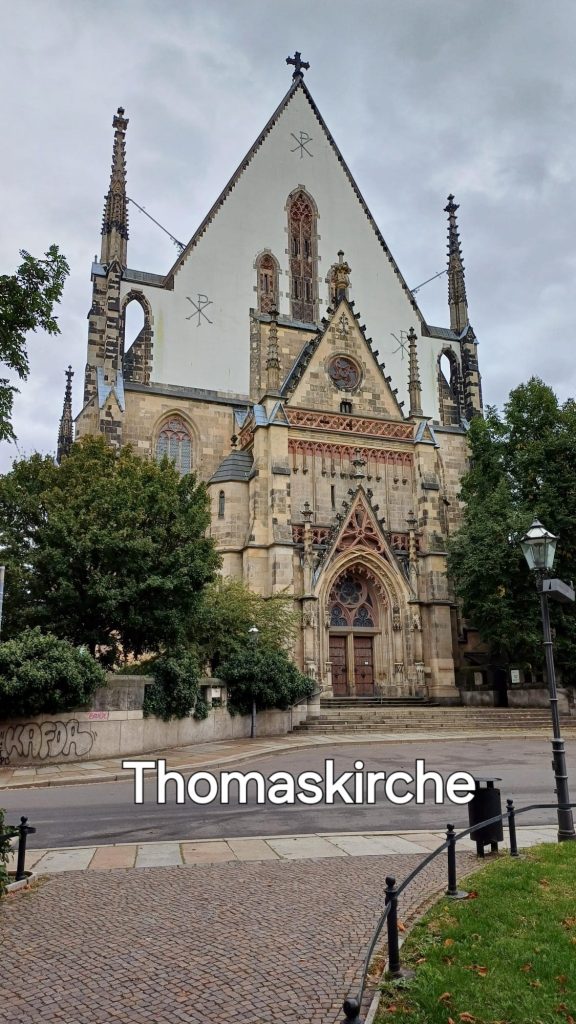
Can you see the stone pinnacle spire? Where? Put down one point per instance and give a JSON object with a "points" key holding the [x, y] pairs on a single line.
{"points": [[66, 429], [115, 220], [414, 385], [273, 360], [456, 283]]}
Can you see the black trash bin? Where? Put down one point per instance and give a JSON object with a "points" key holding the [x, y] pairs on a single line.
{"points": [[486, 803]]}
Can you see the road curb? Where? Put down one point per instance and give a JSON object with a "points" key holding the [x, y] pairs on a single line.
{"points": [[222, 762]]}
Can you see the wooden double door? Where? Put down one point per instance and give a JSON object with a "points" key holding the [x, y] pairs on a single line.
{"points": [[355, 651]]}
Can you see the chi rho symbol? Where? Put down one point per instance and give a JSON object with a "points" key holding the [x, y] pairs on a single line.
{"points": [[199, 308], [402, 340], [301, 140]]}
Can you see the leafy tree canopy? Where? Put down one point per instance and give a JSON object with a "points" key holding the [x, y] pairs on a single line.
{"points": [[27, 300], [221, 623], [523, 467], [107, 549], [265, 675]]}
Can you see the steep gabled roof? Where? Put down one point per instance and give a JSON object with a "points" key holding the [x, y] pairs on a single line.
{"points": [[303, 360], [297, 84]]}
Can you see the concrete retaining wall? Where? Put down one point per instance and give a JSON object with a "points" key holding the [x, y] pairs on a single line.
{"points": [[114, 727]]}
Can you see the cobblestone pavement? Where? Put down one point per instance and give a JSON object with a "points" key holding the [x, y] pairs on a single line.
{"points": [[270, 942]]}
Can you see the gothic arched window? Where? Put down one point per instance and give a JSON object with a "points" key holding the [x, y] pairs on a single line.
{"points": [[449, 388], [221, 504], [267, 270], [353, 603], [302, 241], [174, 441]]}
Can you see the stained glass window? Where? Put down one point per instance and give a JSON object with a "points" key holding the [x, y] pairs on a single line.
{"points": [[267, 269], [352, 603], [302, 234], [174, 441]]}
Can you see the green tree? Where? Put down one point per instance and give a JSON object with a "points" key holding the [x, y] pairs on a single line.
{"points": [[266, 675], [107, 549], [523, 465], [174, 692], [226, 613], [27, 300], [40, 674]]}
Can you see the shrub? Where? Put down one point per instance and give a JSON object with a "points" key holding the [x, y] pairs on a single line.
{"points": [[40, 674], [174, 692], [266, 675], [4, 850]]}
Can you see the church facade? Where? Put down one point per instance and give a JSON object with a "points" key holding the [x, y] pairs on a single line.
{"points": [[285, 361]]}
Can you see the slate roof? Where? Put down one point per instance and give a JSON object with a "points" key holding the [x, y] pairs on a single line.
{"points": [[235, 467]]}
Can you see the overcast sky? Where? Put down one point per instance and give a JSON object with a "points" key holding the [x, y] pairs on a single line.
{"points": [[423, 97]]}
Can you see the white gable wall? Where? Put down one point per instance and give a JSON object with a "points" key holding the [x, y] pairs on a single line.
{"points": [[196, 353]]}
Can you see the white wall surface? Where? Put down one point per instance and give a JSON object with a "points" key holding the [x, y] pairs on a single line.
{"points": [[195, 353]]}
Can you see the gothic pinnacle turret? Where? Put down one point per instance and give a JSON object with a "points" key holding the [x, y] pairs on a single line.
{"points": [[115, 220], [273, 360], [456, 282], [414, 385], [66, 429]]}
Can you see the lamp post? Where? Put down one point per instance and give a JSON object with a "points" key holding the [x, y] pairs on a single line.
{"points": [[254, 634], [539, 548]]}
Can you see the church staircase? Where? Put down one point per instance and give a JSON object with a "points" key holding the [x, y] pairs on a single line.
{"points": [[417, 715]]}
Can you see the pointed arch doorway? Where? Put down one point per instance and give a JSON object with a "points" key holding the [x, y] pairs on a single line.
{"points": [[355, 616]]}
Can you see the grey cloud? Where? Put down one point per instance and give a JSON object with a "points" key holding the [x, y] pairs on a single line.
{"points": [[422, 97]]}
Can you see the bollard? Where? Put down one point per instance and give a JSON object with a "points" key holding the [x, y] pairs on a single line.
{"points": [[453, 891], [512, 828], [351, 1008], [395, 969], [24, 830]]}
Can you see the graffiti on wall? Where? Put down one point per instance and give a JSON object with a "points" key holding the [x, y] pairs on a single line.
{"points": [[47, 739]]}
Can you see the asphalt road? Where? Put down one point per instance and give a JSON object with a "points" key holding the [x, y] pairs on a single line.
{"points": [[106, 812]]}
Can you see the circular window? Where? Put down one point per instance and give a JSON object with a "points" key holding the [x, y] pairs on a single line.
{"points": [[344, 373]]}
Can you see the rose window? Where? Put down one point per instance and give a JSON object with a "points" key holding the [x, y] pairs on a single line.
{"points": [[352, 604], [344, 373]]}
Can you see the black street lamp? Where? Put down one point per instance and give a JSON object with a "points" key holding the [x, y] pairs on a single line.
{"points": [[254, 633], [539, 548]]}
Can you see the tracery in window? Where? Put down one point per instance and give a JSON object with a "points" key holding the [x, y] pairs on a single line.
{"points": [[302, 236], [174, 441], [353, 603], [267, 271]]}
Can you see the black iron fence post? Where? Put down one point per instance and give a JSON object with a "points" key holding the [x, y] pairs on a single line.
{"points": [[512, 827], [24, 830], [351, 1009], [453, 891], [395, 969]]}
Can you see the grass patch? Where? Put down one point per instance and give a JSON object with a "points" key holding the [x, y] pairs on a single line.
{"points": [[505, 956]]}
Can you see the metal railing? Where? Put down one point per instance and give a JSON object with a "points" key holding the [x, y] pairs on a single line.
{"points": [[23, 830], [352, 1004]]}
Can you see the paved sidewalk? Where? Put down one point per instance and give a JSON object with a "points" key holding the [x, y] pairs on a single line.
{"points": [[272, 942], [221, 753], [264, 848]]}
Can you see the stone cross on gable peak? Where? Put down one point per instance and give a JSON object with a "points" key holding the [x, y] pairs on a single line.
{"points": [[298, 64]]}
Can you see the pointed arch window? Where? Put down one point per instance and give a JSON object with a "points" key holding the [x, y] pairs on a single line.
{"points": [[267, 273], [303, 257], [175, 442], [449, 388], [353, 603]]}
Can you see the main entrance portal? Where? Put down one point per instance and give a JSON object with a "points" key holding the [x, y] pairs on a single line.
{"points": [[354, 622]]}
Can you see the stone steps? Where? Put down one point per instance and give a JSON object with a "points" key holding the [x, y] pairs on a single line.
{"points": [[428, 719]]}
